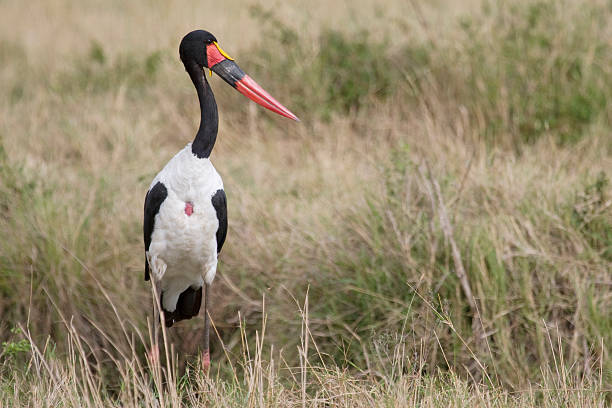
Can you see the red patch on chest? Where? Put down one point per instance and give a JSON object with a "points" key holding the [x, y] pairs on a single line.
{"points": [[188, 209]]}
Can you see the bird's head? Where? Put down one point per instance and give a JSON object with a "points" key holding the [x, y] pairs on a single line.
{"points": [[200, 49]]}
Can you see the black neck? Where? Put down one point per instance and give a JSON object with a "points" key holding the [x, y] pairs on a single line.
{"points": [[209, 122]]}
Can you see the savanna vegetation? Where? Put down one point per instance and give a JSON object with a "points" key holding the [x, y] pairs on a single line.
{"points": [[436, 231]]}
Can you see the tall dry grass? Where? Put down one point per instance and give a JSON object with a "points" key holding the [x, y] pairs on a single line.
{"points": [[267, 380], [445, 203]]}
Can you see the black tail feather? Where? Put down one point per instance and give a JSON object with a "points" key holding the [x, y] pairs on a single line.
{"points": [[187, 306]]}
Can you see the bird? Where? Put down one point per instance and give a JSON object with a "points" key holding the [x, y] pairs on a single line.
{"points": [[185, 209]]}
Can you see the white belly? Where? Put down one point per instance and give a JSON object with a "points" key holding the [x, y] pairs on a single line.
{"points": [[186, 244]]}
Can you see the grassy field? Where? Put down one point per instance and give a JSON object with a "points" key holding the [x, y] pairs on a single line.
{"points": [[436, 232]]}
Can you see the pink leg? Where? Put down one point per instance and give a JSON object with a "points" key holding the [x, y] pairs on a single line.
{"points": [[205, 361]]}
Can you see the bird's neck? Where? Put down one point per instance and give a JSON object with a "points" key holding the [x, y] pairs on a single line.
{"points": [[209, 122]]}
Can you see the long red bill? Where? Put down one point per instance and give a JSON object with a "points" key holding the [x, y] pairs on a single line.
{"points": [[223, 65], [251, 89]]}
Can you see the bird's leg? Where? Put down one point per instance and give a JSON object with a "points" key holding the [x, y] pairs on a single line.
{"points": [[206, 352], [154, 353], [158, 269]]}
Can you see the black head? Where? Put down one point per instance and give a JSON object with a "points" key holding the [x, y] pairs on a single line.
{"points": [[193, 47]]}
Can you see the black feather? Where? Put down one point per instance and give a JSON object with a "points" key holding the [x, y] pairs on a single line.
{"points": [[219, 201], [187, 306], [154, 199]]}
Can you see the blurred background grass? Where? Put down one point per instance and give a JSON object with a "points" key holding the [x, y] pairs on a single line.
{"points": [[505, 105]]}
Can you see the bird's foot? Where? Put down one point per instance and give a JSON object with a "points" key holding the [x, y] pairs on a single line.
{"points": [[153, 355], [205, 361]]}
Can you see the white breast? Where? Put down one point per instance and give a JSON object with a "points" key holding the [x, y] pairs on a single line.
{"points": [[186, 244]]}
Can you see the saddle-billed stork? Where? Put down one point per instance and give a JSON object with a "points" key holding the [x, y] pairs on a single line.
{"points": [[185, 213]]}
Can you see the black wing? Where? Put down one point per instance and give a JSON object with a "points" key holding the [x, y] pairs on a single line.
{"points": [[154, 199], [219, 201]]}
